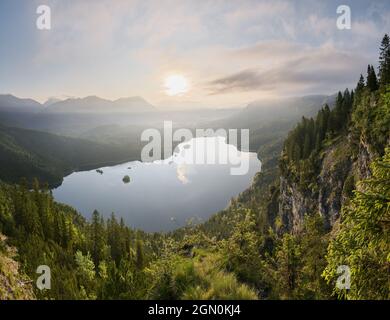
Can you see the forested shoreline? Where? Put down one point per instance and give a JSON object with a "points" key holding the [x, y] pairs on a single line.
{"points": [[260, 247]]}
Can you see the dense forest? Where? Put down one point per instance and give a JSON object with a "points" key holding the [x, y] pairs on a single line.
{"points": [[33, 154], [259, 247]]}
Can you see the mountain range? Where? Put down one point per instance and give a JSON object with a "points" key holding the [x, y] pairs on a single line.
{"points": [[90, 104], [263, 112], [11, 103]]}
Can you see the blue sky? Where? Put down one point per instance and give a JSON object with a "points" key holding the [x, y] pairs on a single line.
{"points": [[230, 52]]}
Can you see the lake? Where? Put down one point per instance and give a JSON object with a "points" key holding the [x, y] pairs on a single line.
{"points": [[166, 194]]}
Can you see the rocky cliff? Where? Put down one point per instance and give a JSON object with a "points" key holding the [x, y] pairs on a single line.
{"points": [[13, 284], [324, 181]]}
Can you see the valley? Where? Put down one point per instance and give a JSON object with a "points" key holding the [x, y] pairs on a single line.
{"points": [[272, 213], [178, 191], [208, 159]]}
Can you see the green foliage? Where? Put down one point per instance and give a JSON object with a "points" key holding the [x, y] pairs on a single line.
{"points": [[242, 249], [288, 262], [139, 261], [372, 82], [201, 277], [302, 149], [171, 277], [371, 118], [243, 252], [87, 260], [86, 273], [363, 241], [309, 135], [126, 179], [298, 260], [349, 186], [384, 61], [13, 283], [32, 154]]}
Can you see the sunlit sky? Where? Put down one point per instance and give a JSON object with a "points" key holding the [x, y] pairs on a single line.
{"points": [[214, 53]]}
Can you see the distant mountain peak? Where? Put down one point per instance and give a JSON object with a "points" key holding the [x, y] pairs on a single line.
{"points": [[134, 98], [95, 104], [51, 100], [10, 102]]}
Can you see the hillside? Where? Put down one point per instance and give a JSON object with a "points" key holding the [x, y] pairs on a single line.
{"points": [[270, 121], [32, 154], [256, 248], [13, 284], [321, 203], [330, 188], [335, 152], [285, 111], [10, 103]]}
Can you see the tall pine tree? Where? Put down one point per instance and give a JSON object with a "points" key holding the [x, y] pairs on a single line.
{"points": [[384, 61], [372, 82]]}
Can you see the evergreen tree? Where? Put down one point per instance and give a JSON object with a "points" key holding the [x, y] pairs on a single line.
{"points": [[139, 255], [98, 238], [86, 275], [372, 82], [313, 243], [288, 260], [363, 242], [360, 85], [306, 146], [346, 107], [384, 61], [338, 113]]}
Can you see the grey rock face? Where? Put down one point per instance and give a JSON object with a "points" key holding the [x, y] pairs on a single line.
{"points": [[327, 194]]}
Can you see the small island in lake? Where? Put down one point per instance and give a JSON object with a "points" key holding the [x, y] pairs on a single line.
{"points": [[99, 171], [126, 179]]}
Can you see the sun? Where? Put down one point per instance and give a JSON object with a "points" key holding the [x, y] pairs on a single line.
{"points": [[176, 85]]}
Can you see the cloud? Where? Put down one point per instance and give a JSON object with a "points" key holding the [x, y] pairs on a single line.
{"points": [[123, 47], [81, 31], [306, 69]]}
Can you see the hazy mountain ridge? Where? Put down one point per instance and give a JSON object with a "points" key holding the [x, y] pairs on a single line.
{"points": [[259, 113], [94, 104], [244, 252], [9, 102], [51, 101], [89, 104], [318, 198], [282, 238]]}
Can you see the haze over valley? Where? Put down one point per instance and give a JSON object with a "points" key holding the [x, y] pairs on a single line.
{"points": [[194, 150]]}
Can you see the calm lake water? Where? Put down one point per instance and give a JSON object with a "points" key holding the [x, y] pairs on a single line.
{"points": [[166, 194]]}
